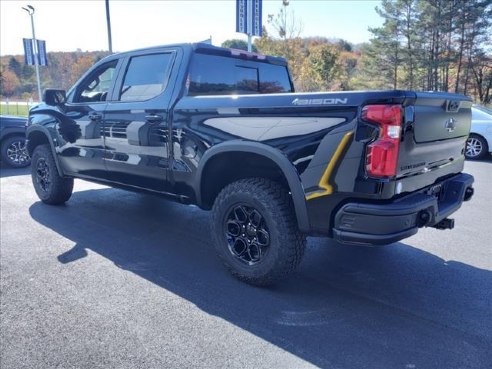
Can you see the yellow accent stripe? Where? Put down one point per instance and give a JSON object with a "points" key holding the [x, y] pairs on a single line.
{"points": [[324, 181]]}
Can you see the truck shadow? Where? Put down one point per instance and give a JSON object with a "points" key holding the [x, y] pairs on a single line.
{"points": [[486, 159], [6, 171], [389, 307]]}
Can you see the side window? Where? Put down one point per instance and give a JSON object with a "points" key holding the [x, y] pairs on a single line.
{"points": [[218, 75], [96, 86], [146, 77]]}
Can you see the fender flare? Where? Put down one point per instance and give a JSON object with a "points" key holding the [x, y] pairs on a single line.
{"points": [[275, 155], [43, 130]]}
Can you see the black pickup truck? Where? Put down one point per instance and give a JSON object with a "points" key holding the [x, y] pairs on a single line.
{"points": [[223, 129], [13, 150]]}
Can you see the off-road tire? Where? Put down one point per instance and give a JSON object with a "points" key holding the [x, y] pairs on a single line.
{"points": [[14, 153], [50, 187], [287, 244]]}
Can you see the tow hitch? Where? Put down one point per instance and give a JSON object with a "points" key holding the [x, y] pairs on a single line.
{"points": [[446, 223]]}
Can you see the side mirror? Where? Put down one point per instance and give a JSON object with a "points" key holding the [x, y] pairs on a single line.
{"points": [[54, 97]]}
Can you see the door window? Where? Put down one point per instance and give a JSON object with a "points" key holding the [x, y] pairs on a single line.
{"points": [[96, 86], [146, 77]]}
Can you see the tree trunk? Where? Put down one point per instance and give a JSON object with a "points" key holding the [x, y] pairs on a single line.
{"points": [[409, 48], [460, 53], [395, 71]]}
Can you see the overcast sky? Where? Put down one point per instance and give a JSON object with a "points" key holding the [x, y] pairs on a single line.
{"points": [[71, 25]]}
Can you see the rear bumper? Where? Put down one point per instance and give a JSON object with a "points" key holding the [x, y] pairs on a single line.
{"points": [[379, 224]]}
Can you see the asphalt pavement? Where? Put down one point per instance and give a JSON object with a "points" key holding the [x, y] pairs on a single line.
{"points": [[115, 279]]}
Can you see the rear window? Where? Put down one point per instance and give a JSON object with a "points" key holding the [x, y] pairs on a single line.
{"points": [[219, 75]]}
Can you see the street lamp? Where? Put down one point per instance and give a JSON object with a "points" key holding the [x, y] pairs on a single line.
{"points": [[108, 23], [30, 11]]}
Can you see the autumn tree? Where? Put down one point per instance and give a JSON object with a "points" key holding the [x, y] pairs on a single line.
{"points": [[319, 69], [80, 66], [9, 83], [282, 38], [482, 74], [346, 65]]}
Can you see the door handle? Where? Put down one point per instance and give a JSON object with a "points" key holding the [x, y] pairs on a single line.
{"points": [[153, 118], [95, 116]]}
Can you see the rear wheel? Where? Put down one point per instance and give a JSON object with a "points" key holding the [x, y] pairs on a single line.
{"points": [[476, 147], [50, 187], [14, 152], [255, 231]]}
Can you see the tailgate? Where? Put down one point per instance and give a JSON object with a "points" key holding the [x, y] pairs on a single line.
{"points": [[435, 131], [441, 117]]}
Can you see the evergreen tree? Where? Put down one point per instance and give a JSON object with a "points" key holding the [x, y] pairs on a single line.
{"points": [[15, 67], [238, 44]]}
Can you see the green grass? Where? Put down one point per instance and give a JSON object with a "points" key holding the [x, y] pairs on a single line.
{"points": [[14, 109]]}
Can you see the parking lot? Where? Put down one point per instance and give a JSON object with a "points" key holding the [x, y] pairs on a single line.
{"points": [[121, 280]]}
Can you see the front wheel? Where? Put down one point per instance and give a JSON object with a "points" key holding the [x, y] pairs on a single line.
{"points": [[14, 152], [50, 187], [255, 231], [476, 147]]}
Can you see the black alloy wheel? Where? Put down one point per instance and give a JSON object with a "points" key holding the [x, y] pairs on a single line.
{"points": [[247, 234], [43, 177]]}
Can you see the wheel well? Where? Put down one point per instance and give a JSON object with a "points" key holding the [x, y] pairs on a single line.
{"points": [[13, 134], [36, 138], [229, 167], [476, 134]]}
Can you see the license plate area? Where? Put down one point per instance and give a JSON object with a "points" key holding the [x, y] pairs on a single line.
{"points": [[437, 190]]}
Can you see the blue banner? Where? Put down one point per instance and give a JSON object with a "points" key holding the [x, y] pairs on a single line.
{"points": [[241, 16], [28, 51], [42, 58], [256, 26], [249, 17]]}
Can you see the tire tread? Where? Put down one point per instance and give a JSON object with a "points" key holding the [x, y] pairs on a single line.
{"points": [[62, 187], [278, 201]]}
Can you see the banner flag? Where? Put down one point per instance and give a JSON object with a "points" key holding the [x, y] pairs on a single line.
{"points": [[241, 16], [28, 51], [248, 17], [256, 18], [42, 58]]}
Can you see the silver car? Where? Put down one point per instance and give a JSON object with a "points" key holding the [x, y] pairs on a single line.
{"points": [[479, 144]]}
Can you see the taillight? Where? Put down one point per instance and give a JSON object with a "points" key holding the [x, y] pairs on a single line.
{"points": [[382, 154]]}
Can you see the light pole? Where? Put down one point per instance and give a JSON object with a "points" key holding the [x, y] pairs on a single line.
{"points": [[108, 23], [30, 11]]}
